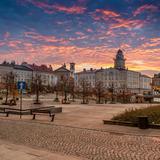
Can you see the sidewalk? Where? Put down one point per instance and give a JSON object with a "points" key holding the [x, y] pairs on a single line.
{"points": [[9, 151]]}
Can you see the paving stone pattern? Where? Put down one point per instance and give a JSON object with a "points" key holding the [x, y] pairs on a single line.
{"points": [[84, 143]]}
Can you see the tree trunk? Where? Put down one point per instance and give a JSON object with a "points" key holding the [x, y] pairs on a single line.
{"points": [[6, 101]]}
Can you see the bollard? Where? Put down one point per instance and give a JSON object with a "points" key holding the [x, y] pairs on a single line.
{"points": [[143, 122]]}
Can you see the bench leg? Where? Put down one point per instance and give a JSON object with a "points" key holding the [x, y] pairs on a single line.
{"points": [[52, 118], [34, 116], [7, 114]]}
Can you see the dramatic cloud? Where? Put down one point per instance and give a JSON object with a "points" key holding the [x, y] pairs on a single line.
{"points": [[87, 32], [115, 20]]}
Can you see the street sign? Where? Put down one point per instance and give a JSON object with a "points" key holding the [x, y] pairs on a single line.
{"points": [[21, 85]]}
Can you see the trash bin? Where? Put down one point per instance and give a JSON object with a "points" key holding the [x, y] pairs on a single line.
{"points": [[143, 122]]}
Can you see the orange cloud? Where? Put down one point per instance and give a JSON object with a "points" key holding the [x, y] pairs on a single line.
{"points": [[108, 13]]}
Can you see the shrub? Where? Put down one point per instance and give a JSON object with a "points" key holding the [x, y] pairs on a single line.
{"points": [[153, 112]]}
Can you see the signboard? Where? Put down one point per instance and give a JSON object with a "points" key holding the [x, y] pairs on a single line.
{"points": [[21, 85], [156, 99]]}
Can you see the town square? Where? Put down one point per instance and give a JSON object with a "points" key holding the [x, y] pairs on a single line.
{"points": [[79, 80]]}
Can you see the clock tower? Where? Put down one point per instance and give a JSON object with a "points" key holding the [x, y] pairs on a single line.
{"points": [[119, 61]]}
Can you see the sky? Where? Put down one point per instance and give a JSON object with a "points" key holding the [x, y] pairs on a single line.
{"points": [[87, 32]]}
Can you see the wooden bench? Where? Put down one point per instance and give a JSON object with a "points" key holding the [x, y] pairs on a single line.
{"points": [[46, 112], [17, 112], [4, 113]]}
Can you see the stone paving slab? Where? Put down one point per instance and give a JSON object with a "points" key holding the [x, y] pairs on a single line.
{"points": [[90, 117]]}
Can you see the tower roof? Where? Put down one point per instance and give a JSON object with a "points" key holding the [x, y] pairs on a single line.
{"points": [[119, 61], [119, 54]]}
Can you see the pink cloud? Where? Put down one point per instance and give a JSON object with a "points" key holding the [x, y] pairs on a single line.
{"points": [[153, 42], [51, 8], [79, 33], [83, 56], [116, 20], [127, 23], [71, 10], [52, 39], [40, 37], [145, 7], [2, 44], [89, 30]]}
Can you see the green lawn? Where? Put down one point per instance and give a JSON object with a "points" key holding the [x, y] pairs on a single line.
{"points": [[131, 115]]}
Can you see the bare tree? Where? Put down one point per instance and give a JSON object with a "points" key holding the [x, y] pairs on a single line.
{"points": [[85, 91], [111, 90], [72, 88], [10, 87], [37, 87], [99, 91], [65, 90], [57, 89]]}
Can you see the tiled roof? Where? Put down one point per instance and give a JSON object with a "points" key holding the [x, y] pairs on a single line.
{"points": [[21, 67], [62, 69], [42, 68], [87, 71], [16, 66]]}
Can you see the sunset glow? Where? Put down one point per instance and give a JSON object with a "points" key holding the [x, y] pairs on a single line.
{"points": [[87, 32]]}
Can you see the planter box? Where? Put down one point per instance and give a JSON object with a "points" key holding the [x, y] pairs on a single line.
{"points": [[122, 123], [130, 124]]}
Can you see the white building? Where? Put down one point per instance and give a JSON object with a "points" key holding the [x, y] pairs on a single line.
{"points": [[87, 75], [119, 78], [45, 73], [4, 69], [27, 72], [145, 83]]}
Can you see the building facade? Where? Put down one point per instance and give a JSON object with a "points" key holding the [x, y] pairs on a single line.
{"points": [[46, 74], [63, 73], [28, 72], [156, 84], [87, 75], [119, 78]]}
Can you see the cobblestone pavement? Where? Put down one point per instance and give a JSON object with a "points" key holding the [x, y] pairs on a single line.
{"points": [[84, 143], [10, 151]]}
